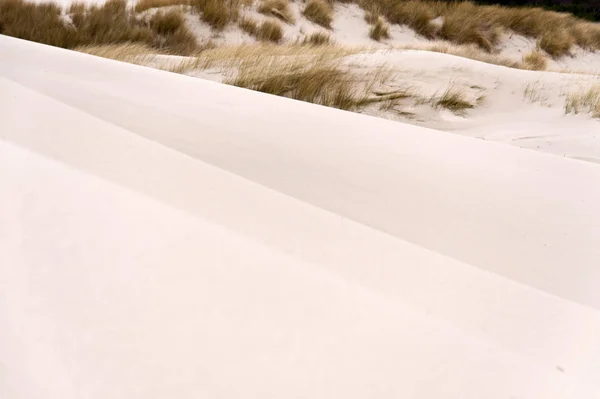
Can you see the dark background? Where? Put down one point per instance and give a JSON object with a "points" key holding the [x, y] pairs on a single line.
{"points": [[588, 9]]}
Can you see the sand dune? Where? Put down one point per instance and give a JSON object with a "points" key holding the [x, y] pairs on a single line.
{"points": [[165, 236]]}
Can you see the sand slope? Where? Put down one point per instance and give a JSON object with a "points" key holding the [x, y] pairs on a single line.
{"points": [[164, 236]]}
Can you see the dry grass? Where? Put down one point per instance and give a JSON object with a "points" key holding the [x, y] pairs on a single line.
{"points": [[249, 25], [317, 39], [134, 53], [173, 36], [217, 13], [556, 43], [454, 100], [310, 74], [584, 101], [534, 93], [277, 8], [379, 30], [465, 23], [307, 73], [143, 5], [112, 23], [415, 14], [535, 61], [142, 55], [40, 23], [319, 12], [318, 84], [587, 35], [270, 30]]}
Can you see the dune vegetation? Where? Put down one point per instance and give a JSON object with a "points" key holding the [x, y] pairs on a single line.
{"points": [[457, 22]]}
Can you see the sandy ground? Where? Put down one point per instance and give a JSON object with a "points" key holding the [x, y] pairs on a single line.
{"points": [[165, 236], [515, 107]]}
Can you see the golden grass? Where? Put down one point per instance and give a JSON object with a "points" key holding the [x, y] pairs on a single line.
{"points": [[111, 23], [217, 13], [317, 39], [556, 43], [143, 5], [380, 30], [173, 35], [465, 23], [535, 61], [533, 93], [36, 22], [453, 99], [270, 30], [277, 8], [318, 84], [292, 55], [587, 100], [319, 12], [94, 25], [307, 73], [249, 25], [416, 14], [586, 35], [140, 54], [315, 74], [134, 53]]}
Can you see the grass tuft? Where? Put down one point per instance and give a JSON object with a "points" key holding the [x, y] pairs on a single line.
{"points": [[217, 13], [172, 34], [270, 30], [535, 61], [317, 39], [465, 23], [40, 23], [454, 100], [249, 25], [319, 12], [379, 30], [277, 8], [556, 43], [587, 100], [143, 5]]}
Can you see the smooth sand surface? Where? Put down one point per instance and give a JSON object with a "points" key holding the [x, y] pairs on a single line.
{"points": [[164, 236]]}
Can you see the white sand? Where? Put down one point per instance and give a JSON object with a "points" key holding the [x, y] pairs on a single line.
{"points": [[506, 114], [164, 236]]}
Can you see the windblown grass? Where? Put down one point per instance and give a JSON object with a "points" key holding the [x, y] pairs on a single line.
{"points": [[40, 23], [134, 53], [587, 100], [556, 43], [277, 8], [466, 22], [319, 12], [535, 61], [217, 13], [143, 5], [249, 25], [173, 36], [453, 99], [317, 39], [111, 23], [380, 30], [270, 30]]}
